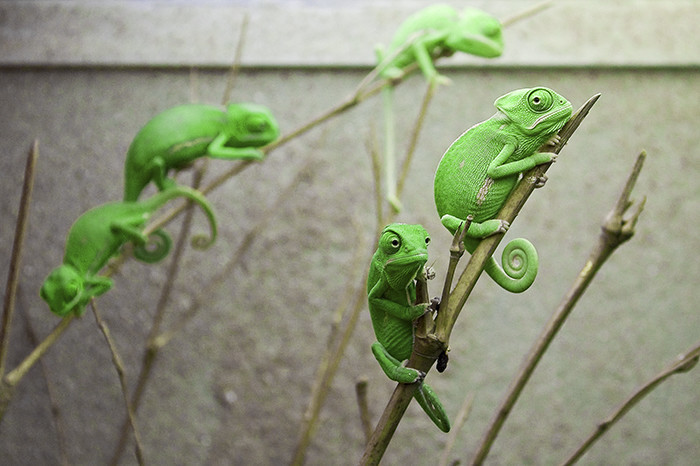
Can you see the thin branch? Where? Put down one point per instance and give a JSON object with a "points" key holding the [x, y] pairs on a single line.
{"points": [[363, 405], [615, 231], [683, 363], [527, 13], [119, 366], [236, 66], [15, 259], [460, 420]]}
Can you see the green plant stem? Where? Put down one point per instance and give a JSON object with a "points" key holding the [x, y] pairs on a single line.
{"points": [[615, 231], [15, 259], [683, 363], [427, 349], [121, 373]]}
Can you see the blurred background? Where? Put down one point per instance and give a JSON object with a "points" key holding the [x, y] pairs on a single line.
{"points": [[231, 388]]}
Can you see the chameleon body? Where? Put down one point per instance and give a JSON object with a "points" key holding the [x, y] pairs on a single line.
{"points": [[391, 291], [176, 137], [433, 32], [97, 235], [480, 169]]}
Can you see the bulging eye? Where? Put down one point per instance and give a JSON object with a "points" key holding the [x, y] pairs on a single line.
{"points": [[395, 243], [540, 100], [427, 240], [257, 125]]}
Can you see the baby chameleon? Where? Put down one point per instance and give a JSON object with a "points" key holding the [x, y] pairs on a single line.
{"points": [[433, 32], [481, 168], [391, 290], [97, 235], [178, 136]]}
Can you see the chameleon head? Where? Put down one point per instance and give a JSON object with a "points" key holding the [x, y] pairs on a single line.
{"points": [[535, 111], [254, 124], [403, 252], [63, 289], [477, 33]]}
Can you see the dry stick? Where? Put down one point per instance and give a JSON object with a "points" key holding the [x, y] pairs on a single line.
{"points": [[461, 418], [119, 366], [152, 346], [683, 363], [365, 417], [15, 259], [426, 350], [235, 68], [615, 231], [335, 347], [55, 408]]}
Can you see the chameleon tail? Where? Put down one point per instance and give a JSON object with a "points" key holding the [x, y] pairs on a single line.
{"points": [[156, 248], [520, 264], [428, 400], [161, 198]]}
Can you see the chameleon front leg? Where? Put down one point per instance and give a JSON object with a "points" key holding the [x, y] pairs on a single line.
{"points": [[425, 60], [393, 368], [500, 167], [159, 174], [218, 150]]}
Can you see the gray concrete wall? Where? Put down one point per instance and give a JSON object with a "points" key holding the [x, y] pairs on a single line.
{"points": [[83, 77]]}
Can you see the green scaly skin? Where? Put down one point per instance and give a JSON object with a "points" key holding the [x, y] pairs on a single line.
{"points": [[433, 32], [391, 290], [98, 234], [178, 136], [480, 169]]}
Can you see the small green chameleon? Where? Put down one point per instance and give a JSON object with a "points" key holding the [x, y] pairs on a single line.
{"points": [[431, 33], [176, 137], [391, 290], [481, 168], [98, 234]]}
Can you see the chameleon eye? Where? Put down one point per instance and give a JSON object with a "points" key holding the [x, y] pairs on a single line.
{"points": [[540, 100], [427, 240], [395, 243]]}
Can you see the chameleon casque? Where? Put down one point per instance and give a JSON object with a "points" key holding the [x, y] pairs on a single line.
{"points": [[178, 136], [401, 256], [431, 33], [480, 169], [98, 234]]}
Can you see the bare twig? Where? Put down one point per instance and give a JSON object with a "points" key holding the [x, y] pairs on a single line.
{"points": [[527, 13], [683, 363], [615, 231], [365, 417], [121, 373], [13, 273], [236, 66], [461, 418]]}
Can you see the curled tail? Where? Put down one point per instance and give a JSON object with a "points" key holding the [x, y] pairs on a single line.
{"points": [[158, 200], [155, 248], [520, 264], [428, 400]]}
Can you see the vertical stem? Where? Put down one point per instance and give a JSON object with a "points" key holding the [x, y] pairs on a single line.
{"points": [[13, 273]]}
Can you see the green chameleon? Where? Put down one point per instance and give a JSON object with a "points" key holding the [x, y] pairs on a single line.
{"points": [[176, 137], [391, 290], [480, 169], [98, 234], [431, 33]]}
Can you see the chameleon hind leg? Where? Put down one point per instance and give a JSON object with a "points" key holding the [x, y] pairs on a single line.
{"points": [[476, 230], [393, 368], [428, 400]]}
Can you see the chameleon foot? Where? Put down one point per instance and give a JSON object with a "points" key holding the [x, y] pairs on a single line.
{"points": [[540, 181]]}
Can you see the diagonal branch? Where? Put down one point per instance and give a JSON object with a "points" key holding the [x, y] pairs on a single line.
{"points": [[615, 231]]}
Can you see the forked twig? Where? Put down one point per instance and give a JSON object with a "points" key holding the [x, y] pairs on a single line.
{"points": [[683, 363], [615, 231]]}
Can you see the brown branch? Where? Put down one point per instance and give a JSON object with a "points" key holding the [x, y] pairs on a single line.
{"points": [[615, 231], [683, 363], [15, 259], [363, 405]]}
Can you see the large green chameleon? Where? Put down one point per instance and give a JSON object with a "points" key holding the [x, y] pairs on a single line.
{"points": [[176, 137], [391, 290], [481, 168], [431, 33], [98, 234]]}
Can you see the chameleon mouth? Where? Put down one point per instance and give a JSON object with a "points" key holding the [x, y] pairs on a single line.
{"points": [[549, 115]]}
